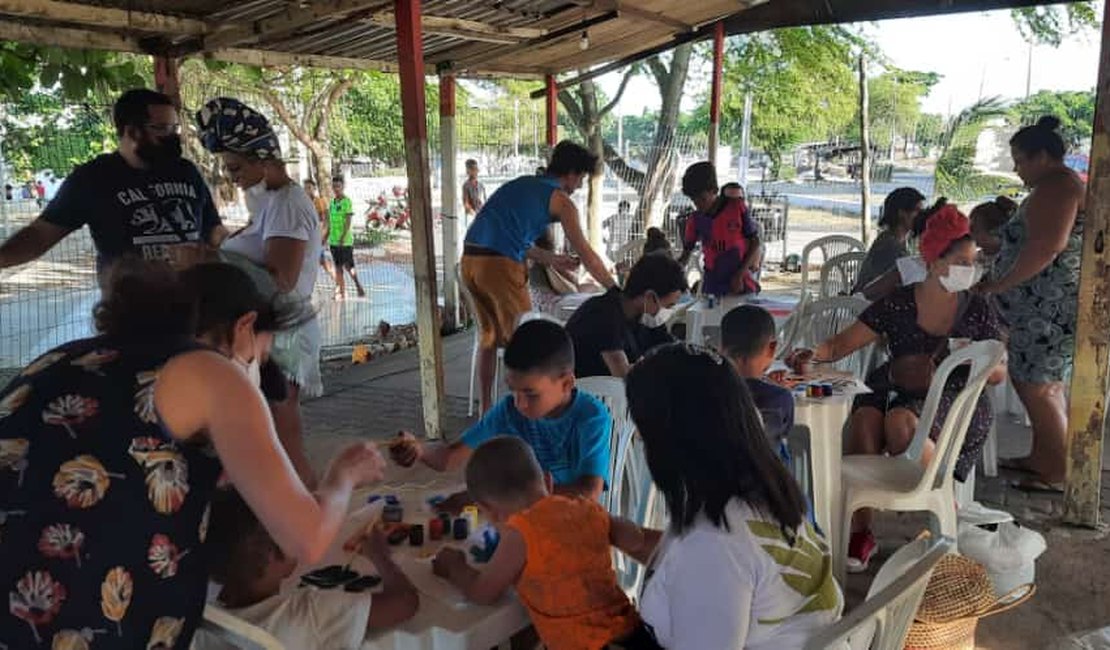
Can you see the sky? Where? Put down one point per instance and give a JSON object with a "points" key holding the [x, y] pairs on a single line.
{"points": [[977, 54]]}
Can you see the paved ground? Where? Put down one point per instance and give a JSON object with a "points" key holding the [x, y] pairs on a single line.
{"points": [[376, 400]]}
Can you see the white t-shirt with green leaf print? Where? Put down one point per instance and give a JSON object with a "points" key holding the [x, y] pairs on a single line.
{"points": [[745, 587]]}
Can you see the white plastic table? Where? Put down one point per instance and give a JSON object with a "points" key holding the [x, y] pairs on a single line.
{"points": [[825, 418], [701, 317], [444, 621]]}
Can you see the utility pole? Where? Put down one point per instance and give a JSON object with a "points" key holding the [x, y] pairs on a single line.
{"points": [[746, 140], [1029, 71]]}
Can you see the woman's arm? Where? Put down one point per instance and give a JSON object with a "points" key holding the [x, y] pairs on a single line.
{"points": [[564, 209], [1052, 211], [856, 336], [883, 286], [284, 257], [202, 391]]}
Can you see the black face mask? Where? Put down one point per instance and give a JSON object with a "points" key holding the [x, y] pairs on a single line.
{"points": [[163, 151]]}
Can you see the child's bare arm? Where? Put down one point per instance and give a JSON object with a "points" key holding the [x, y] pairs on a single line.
{"points": [[484, 587], [587, 487], [398, 600], [406, 449], [635, 541]]}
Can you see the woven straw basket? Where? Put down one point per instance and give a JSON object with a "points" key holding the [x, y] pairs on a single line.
{"points": [[958, 595]]}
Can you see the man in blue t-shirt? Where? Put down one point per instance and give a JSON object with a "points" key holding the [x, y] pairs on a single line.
{"points": [[144, 200], [568, 429], [748, 340]]}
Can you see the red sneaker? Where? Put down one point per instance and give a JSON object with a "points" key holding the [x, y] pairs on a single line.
{"points": [[861, 548]]}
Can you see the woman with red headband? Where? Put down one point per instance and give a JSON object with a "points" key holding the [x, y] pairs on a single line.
{"points": [[917, 322]]}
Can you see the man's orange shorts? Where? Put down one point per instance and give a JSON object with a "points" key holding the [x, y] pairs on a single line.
{"points": [[499, 286]]}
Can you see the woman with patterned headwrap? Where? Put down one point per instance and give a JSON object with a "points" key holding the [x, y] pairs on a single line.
{"points": [[917, 321], [283, 236]]}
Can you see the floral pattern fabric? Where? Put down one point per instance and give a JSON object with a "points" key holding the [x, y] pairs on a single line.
{"points": [[1041, 312], [100, 507]]}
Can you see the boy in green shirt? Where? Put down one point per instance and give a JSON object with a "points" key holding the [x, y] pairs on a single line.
{"points": [[342, 240]]}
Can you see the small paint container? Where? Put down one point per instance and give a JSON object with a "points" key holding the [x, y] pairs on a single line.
{"points": [[392, 500], [826, 390], [373, 497], [435, 528], [393, 514], [471, 514], [460, 529], [416, 535]]}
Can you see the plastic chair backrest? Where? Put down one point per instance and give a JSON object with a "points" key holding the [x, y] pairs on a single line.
{"points": [[471, 310], [820, 320], [231, 629], [983, 356], [839, 274], [829, 246], [610, 390], [883, 621]]}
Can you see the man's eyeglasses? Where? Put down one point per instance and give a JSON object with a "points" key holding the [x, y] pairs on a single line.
{"points": [[164, 129]]}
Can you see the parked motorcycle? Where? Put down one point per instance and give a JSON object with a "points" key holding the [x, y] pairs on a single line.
{"points": [[388, 212]]}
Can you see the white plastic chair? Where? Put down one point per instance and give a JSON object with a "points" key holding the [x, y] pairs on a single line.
{"points": [[819, 320], [902, 483], [829, 246], [610, 390], [471, 308], [883, 620], [227, 627], [839, 274]]}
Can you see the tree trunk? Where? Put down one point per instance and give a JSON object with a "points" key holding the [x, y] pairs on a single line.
{"points": [[591, 120], [663, 159], [865, 154]]}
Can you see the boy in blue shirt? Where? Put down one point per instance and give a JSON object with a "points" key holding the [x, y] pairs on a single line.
{"points": [[567, 429], [748, 340]]}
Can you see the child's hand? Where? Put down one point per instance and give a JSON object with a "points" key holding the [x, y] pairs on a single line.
{"points": [[360, 463], [783, 378], [369, 542], [405, 449], [447, 560], [454, 504], [800, 361]]}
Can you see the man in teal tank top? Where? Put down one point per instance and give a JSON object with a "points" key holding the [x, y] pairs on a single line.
{"points": [[502, 237]]}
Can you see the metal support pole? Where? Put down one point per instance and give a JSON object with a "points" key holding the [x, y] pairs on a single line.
{"points": [[1087, 400], [746, 140], [715, 91], [864, 153], [551, 101], [415, 123], [449, 181]]}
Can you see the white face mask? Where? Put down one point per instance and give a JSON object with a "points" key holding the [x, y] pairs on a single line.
{"points": [[659, 318], [960, 278]]}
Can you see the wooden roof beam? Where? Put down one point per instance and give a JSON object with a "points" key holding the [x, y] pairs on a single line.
{"points": [[632, 11], [69, 37], [473, 59], [106, 17], [284, 23], [470, 30], [267, 58]]}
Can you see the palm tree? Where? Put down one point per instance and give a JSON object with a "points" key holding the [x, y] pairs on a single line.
{"points": [[955, 173]]}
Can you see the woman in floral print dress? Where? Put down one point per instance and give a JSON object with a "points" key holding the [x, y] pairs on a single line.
{"points": [[110, 448]]}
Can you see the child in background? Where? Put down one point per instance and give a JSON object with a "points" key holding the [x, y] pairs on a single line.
{"points": [[250, 568], [567, 428], [748, 340], [656, 242], [554, 550], [986, 220]]}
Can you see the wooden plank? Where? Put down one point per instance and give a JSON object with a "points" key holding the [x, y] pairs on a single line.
{"points": [[268, 58], [467, 29], [109, 17], [286, 22], [430, 347], [715, 92], [1087, 400], [82, 39], [449, 199], [552, 107]]}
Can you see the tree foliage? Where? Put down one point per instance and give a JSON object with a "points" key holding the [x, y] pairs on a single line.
{"points": [[41, 131], [803, 86], [1075, 110], [956, 176], [1051, 24], [75, 75], [895, 104]]}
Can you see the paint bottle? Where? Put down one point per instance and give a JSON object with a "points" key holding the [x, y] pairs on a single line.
{"points": [[461, 528], [435, 529], [416, 535]]}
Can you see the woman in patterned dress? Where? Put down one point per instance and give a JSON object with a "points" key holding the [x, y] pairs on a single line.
{"points": [[110, 448], [1036, 284], [917, 322]]}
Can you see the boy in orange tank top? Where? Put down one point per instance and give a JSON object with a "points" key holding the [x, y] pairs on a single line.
{"points": [[555, 550]]}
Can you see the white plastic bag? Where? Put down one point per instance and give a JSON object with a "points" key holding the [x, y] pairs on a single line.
{"points": [[1093, 640], [1008, 553]]}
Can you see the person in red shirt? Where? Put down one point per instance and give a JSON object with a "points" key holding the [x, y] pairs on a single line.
{"points": [[729, 239]]}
